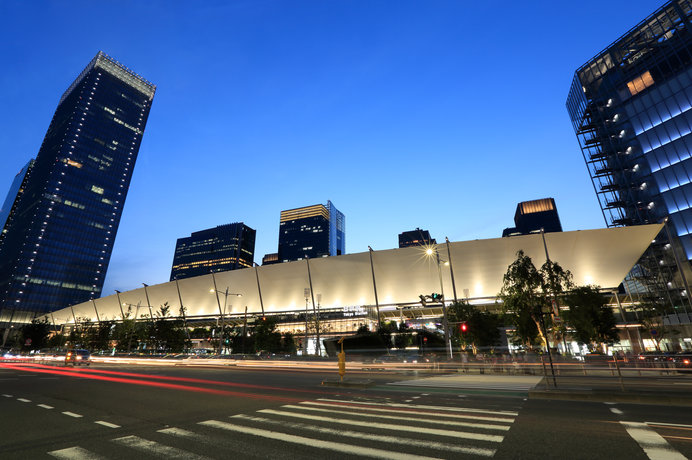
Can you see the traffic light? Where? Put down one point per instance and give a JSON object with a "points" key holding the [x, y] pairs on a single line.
{"points": [[463, 327], [436, 297], [264, 318]]}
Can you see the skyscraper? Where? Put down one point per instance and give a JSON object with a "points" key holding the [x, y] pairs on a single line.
{"points": [[311, 231], [630, 109], [9, 207], [415, 237], [226, 247], [57, 249], [532, 216]]}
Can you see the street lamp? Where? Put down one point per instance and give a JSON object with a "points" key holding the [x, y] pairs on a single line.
{"points": [[445, 326], [221, 313]]}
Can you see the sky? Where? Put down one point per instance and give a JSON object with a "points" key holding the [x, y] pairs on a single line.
{"points": [[437, 114]]}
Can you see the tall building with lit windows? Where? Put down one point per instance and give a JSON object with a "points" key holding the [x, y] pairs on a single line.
{"points": [[312, 231], [630, 107], [226, 247], [56, 251], [534, 216], [415, 237], [9, 207]]}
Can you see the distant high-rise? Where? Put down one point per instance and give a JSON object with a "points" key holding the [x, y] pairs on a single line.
{"points": [[532, 216], [271, 258], [7, 212], [57, 249], [226, 247], [630, 109], [312, 231], [415, 237]]}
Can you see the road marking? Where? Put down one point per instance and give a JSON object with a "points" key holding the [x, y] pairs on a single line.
{"points": [[424, 394], [404, 411], [485, 426], [669, 424], [609, 403], [373, 437], [155, 448], [310, 442], [23, 400], [653, 444], [108, 424], [7, 396], [75, 453], [45, 406], [615, 410], [72, 414], [442, 408], [408, 400], [173, 431], [387, 426], [415, 397]]}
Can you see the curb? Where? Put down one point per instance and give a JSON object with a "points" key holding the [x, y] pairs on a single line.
{"points": [[347, 383], [607, 396]]}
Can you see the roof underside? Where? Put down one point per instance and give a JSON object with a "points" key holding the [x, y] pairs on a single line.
{"points": [[602, 257]]}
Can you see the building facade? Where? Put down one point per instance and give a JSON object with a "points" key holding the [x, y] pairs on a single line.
{"points": [[57, 250], [9, 206], [311, 232], [534, 216], [226, 247], [415, 237], [630, 109]]}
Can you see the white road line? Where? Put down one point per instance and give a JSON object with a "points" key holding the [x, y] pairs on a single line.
{"points": [[424, 394], [7, 396], [669, 424], [72, 414], [45, 406], [179, 432], [387, 426], [108, 424], [653, 444], [373, 437], [74, 453], [485, 426], [404, 411], [155, 448], [609, 403], [615, 410], [23, 400], [441, 408], [310, 442]]}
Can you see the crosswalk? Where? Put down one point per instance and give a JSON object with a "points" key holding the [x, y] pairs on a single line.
{"points": [[516, 383], [321, 428]]}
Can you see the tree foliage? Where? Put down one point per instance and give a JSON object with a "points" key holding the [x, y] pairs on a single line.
{"points": [[527, 294], [592, 321], [482, 327]]}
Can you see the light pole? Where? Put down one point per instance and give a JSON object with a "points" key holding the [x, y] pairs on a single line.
{"points": [[445, 326], [221, 313], [374, 286]]}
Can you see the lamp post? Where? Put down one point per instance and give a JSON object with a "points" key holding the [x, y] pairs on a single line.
{"points": [[445, 326], [221, 313], [374, 286]]}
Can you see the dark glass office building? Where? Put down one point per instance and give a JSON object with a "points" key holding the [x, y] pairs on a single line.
{"points": [[57, 249], [226, 247], [9, 206], [532, 216], [630, 107], [312, 231], [415, 237]]}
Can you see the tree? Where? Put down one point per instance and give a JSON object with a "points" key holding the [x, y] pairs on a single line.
{"points": [[527, 292], [481, 326], [592, 320], [654, 309], [35, 334], [266, 338]]}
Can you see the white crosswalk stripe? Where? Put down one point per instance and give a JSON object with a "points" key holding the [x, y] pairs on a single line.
{"points": [[155, 448], [319, 443], [373, 437], [75, 453], [653, 444], [434, 408]]}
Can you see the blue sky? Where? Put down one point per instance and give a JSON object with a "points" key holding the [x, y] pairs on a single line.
{"points": [[433, 114]]}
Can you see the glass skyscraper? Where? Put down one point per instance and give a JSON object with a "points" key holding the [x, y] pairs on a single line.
{"points": [[312, 231], [58, 244], [226, 247], [7, 212], [630, 108]]}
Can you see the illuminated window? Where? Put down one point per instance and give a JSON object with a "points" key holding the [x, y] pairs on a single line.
{"points": [[96, 189], [640, 83]]}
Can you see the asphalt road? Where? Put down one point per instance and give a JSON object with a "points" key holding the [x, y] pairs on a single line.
{"points": [[119, 412]]}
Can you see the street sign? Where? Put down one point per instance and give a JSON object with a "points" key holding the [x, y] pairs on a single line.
{"points": [[653, 332]]}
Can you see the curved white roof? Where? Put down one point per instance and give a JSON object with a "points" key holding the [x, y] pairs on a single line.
{"points": [[602, 257]]}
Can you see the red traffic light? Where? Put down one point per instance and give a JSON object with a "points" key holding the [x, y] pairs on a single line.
{"points": [[464, 327]]}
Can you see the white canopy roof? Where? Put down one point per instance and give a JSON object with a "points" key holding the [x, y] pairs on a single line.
{"points": [[602, 257]]}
